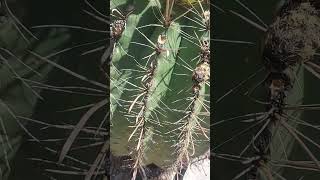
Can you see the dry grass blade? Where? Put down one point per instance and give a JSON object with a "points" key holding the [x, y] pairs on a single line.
{"points": [[98, 159], [78, 127]]}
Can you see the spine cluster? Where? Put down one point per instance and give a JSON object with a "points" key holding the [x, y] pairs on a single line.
{"points": [[147, 82], [200, 76]]}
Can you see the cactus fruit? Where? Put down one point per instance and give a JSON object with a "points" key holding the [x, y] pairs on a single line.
{"points": [[160, 80]]}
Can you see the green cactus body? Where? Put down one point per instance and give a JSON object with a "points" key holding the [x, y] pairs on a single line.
{"points": [[121, 46], [163, 67], [147, 121]]}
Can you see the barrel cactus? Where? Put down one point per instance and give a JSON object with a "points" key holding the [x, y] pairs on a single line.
{"points": [[274, 137], [160, 82]]}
